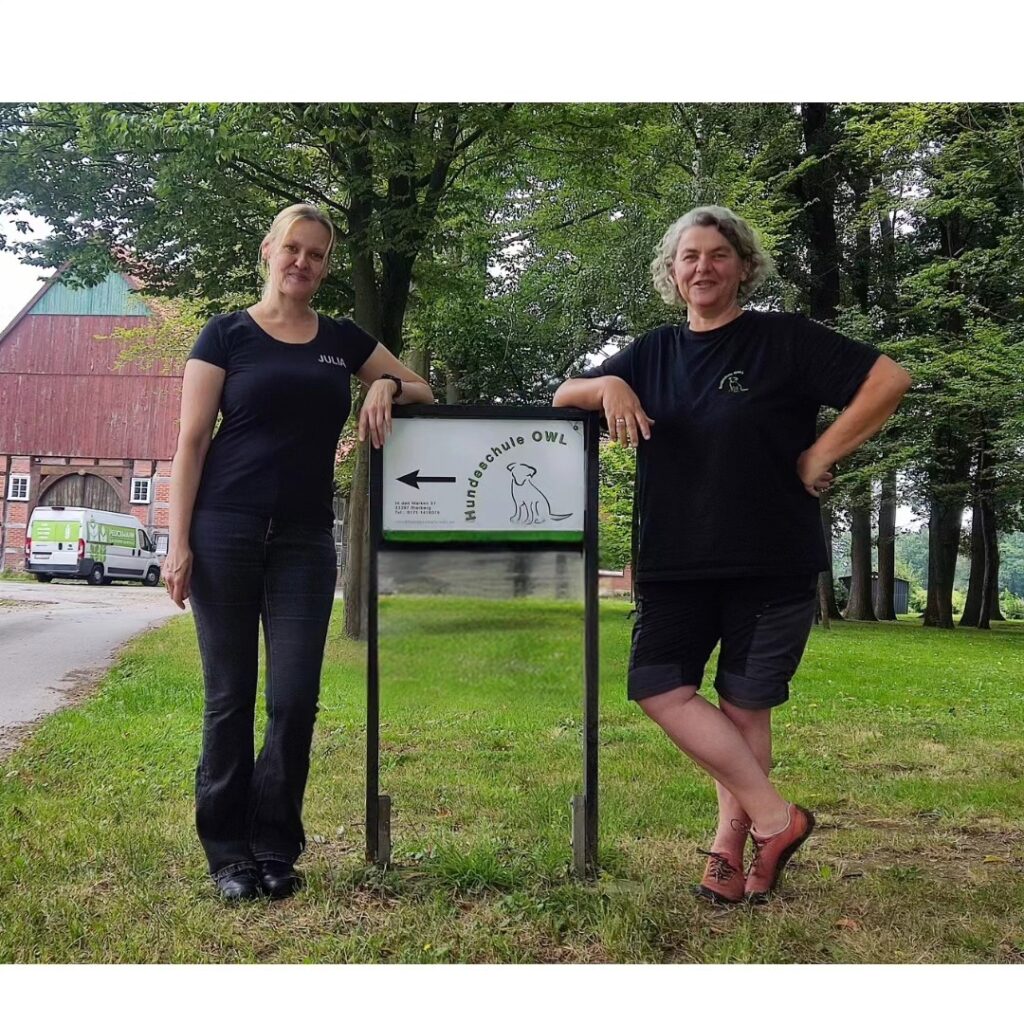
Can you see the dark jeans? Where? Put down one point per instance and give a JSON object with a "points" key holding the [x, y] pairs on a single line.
{"points": [[248, 569]]}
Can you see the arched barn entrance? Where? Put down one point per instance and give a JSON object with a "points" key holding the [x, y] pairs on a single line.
{"points": [[84, 490]]}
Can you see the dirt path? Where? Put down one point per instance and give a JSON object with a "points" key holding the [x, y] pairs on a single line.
{"points": [[56, 639]]}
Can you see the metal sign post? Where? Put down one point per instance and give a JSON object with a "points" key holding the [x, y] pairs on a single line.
{"points": [[487, 478]]}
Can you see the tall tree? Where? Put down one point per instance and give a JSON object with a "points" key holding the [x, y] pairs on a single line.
{"points": [[952, 174], [181, 196], [815, 187], [860, 606], [885, 594]]}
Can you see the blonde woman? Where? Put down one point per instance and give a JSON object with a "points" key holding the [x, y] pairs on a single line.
{"points": [[251, 540], [722, 409]]}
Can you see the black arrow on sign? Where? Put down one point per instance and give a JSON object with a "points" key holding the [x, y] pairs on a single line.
{"points": [[414, 479]]}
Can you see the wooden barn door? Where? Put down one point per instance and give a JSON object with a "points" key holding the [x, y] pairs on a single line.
{"points": [[87, 491]]}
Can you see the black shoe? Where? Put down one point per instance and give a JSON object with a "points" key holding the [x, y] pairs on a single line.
{"points": [[243, 884], [279, 879]]}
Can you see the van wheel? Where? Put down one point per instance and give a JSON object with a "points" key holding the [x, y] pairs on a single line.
{"points": [[96, 576], [44, 577], [152, 577]]}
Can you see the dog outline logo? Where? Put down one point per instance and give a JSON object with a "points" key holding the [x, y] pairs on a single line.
{"points": [[530, 502], [731, 382]]}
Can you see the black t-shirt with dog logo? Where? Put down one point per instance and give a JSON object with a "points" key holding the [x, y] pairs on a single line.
{"points": [[283, 408], [717, 491]]}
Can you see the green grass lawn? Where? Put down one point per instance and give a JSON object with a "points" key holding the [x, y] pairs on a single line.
{"points": [[907, 743]]}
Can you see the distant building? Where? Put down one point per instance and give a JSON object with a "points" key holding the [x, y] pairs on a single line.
{"points": [[615, 584], [75, 429], [901, 592]]}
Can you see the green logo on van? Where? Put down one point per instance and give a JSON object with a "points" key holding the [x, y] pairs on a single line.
{"points": [[54, 531], [104, 533]]}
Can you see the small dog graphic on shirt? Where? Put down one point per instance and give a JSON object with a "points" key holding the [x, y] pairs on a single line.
{"points": [[531, 503]]}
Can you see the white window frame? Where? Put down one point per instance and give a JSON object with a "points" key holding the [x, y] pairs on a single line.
{"points": [[148, 481], [14, 480]]}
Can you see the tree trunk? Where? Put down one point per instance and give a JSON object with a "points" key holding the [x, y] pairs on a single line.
{"points": [[972, 606], [452, 387], [860, 607], [949, 464], [823, 615], [982, 605], [418, 360], [885, 595], [828, 608], [887, 263], [995, 613], [379, 308], [818, 190], [990, 542], [943, 545]]}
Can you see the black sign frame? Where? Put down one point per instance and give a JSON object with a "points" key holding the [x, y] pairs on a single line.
{"points": [[585, 804]]}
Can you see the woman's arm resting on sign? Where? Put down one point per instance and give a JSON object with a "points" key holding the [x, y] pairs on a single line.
{"points": [[627, 421], [375, 415], [874, 402], [201, 388]]}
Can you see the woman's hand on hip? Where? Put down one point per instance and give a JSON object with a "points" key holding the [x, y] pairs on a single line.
{"points": [[627, 421], [375, 415], [814, 473], [177, 575]]}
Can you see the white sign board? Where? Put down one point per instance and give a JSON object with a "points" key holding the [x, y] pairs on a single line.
{"points": [[484, 480]]}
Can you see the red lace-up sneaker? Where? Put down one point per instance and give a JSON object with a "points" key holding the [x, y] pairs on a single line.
{"points": [[772, 853], [722, 881]]}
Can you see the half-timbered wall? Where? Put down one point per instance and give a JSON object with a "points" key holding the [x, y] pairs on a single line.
{"points": [[74, 423]]}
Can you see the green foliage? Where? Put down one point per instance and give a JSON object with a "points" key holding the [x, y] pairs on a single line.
{"points": [[1011, 563], [615, 504], [167, 336], [553, 265], [181, 195], [1012, 605]]}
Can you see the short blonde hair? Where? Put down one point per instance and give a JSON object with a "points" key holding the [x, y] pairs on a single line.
{"points": [[737, 232], [283, 223]]}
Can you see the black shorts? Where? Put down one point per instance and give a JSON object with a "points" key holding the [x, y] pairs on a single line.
{"points": [[762, 622]]}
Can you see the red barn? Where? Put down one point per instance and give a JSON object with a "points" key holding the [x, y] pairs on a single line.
{"points": [[74, 428]]}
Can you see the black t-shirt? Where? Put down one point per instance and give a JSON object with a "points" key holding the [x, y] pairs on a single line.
{"points": [[283, 408], [717, 489]]}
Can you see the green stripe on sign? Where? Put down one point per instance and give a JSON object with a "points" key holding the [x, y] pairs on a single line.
{"points": [[484, 536]]}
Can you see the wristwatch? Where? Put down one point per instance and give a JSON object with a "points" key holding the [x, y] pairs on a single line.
{"points": [[397, 380]]}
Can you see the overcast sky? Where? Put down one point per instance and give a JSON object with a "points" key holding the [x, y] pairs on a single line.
{"points": [[18, 283]]}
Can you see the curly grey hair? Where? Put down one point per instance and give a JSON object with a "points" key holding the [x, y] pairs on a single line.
{"points": [[740, 235]]}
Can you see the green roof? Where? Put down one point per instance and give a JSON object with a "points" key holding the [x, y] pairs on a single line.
{"points": [[111, 297]]}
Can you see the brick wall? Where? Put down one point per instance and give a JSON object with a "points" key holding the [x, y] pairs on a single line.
{"points": [[14, 514], [161, 496]]}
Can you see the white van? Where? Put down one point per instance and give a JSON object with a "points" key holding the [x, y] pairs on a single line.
{"points": [[87, 543]]}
